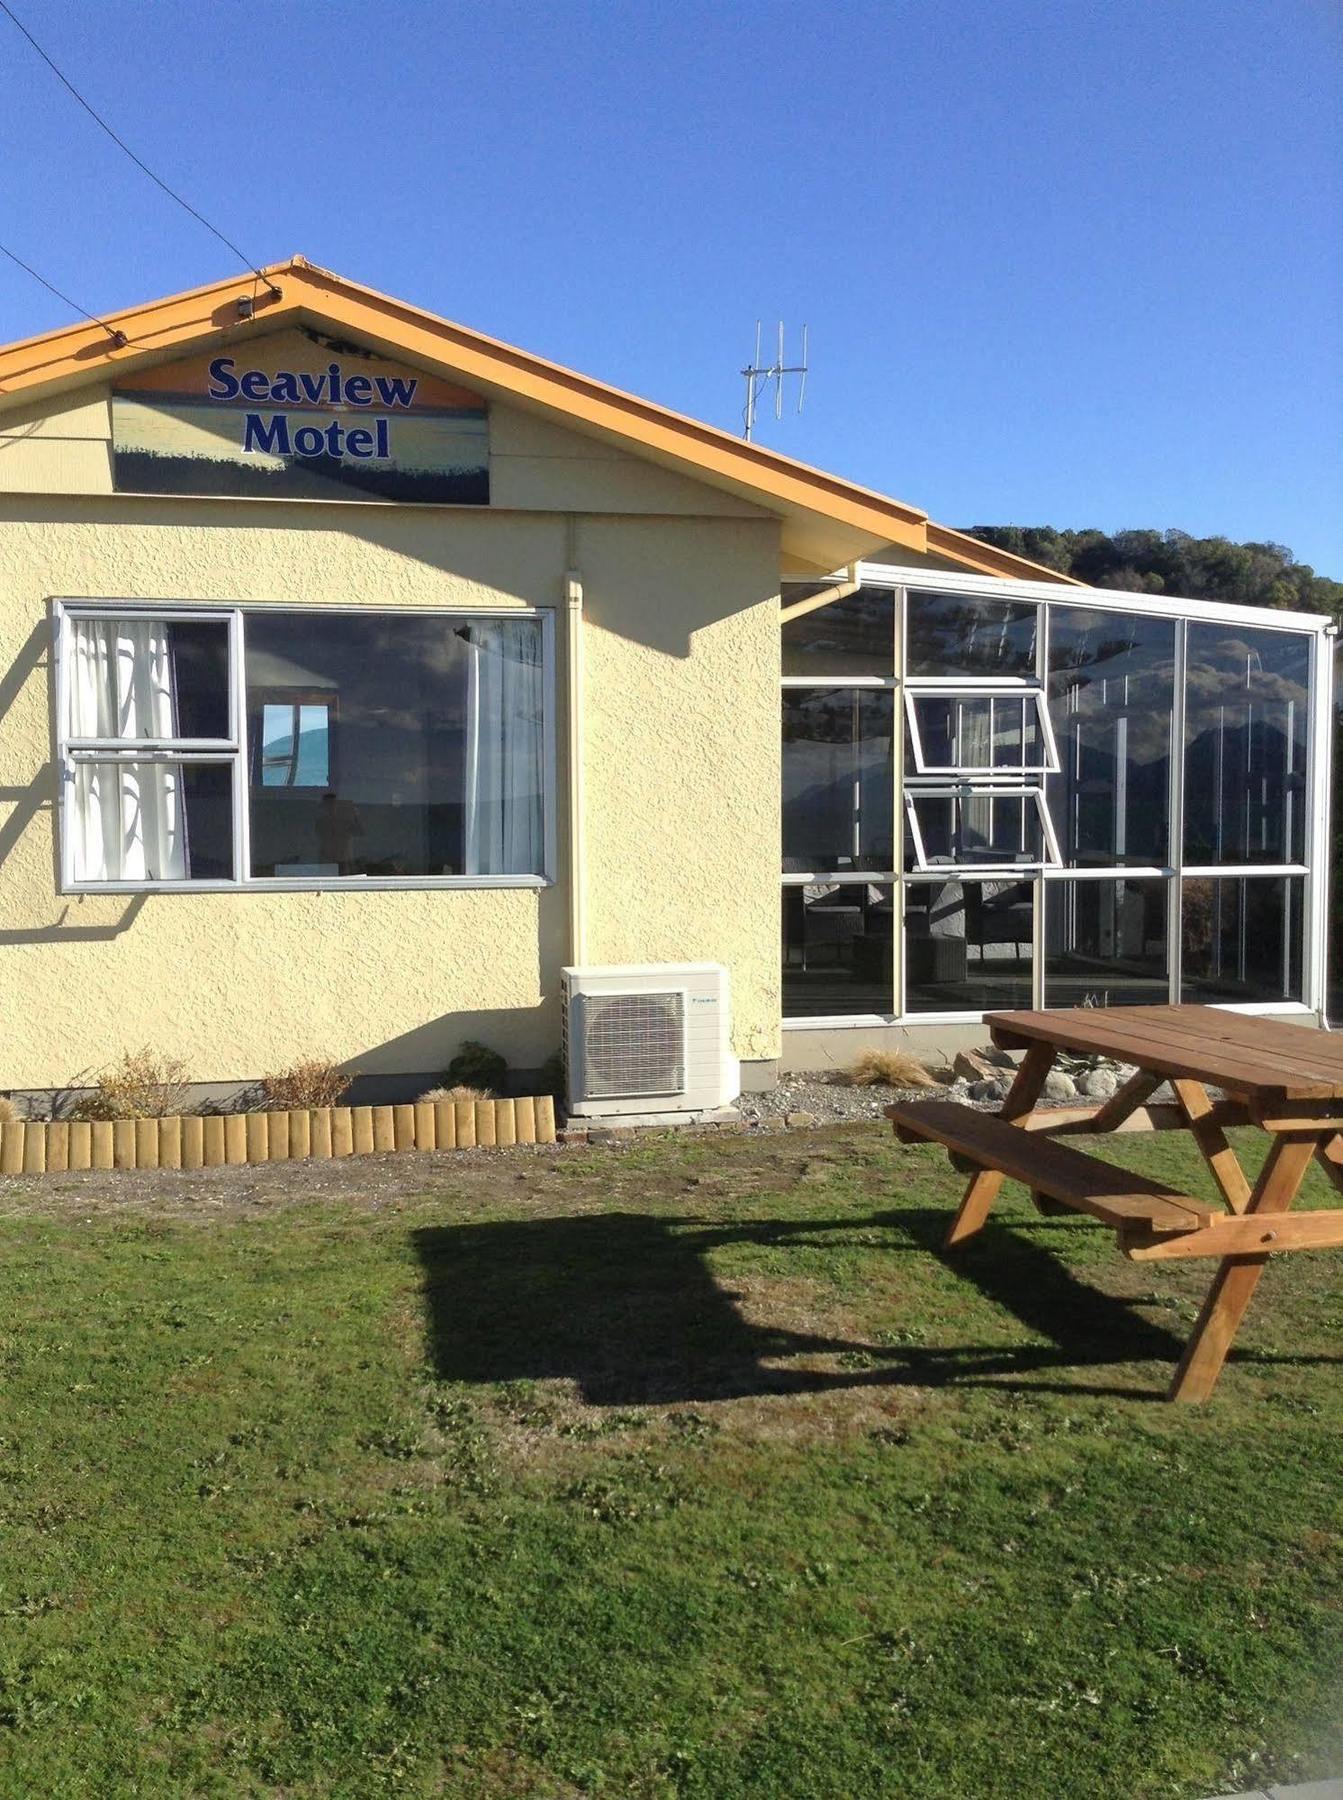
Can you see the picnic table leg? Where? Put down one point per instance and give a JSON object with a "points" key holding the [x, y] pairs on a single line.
{"points": [[985, 1183], [1238, 1276], [1192, 1099]]}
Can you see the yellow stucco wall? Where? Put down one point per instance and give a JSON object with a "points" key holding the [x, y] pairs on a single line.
{"points": [[681, 766]]}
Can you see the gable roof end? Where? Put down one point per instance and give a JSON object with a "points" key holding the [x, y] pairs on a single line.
{"points": [[826, 520]]}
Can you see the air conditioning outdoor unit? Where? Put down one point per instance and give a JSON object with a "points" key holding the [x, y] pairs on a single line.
{"points": [[648, 1041]]}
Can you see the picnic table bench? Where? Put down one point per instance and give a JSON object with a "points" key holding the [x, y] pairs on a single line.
{"points": [[1285, 1079]]}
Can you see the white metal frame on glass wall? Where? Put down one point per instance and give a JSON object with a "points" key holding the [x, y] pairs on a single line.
{"points": [[904, 582], [234, 749]]}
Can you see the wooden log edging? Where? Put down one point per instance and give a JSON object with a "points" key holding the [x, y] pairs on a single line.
{"points": [[211, 1140]]}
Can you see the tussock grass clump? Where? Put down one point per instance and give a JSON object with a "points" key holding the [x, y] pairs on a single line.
{"points": [[460, 1092], [8, 1110], [887, 1068], [308, 1083], [140, 1086]]}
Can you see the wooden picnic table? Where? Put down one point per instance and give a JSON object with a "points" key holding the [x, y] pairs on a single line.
{"points": [[1287, 1080]]}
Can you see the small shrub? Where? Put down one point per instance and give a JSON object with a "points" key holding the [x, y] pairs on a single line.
{"points": [[140, 1086], [476, 1065], [8, 1110], [456, 1093], [311, 1082], [888, 1068], [553, 1080]]}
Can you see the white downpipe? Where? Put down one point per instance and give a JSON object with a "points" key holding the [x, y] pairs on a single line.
{"points": [[840, 590], [573, 662]]}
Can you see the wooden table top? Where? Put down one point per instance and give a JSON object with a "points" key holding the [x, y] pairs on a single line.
{"points": [[1245, 1054]]}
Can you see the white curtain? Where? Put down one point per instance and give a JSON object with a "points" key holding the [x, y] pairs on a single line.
{"points": [[128, 819], [504, 750]]}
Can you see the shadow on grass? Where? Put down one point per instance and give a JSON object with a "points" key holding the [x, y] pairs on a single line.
{"points": [[626, 1306]]}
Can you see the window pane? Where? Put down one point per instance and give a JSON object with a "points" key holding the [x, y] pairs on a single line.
{"points": [[151, 821], [1105, 943], [983, 828], [968, 945], [967, 634], [837, 940], [977, 732], [149, 678], [394, 746], [855, 636], [837, 805], [1242, 937], [1247, 712], [1111, 701]]}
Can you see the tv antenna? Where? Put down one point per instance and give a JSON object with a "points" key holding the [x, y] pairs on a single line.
{"points": [[759, 376]]}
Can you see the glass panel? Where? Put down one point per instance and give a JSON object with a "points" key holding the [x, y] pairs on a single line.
{"points": [[394, 746], [977, 732], [1105, 943], [837, 792], [849, 637], [968, 945], [1111, 700], [1242, 937], [151, 821], [837, 943], [967, 634], [149, 678], [1247, 713], [983, 828]]}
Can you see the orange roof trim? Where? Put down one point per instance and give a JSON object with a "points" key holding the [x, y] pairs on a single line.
{"points": [[826, 519]]}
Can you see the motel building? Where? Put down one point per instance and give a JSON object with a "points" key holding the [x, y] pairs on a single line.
{"points": [[368, 686]]}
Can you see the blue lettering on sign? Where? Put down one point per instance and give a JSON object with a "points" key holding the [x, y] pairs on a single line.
{"points": [[271, 437], [270, 434], [285, 388]]}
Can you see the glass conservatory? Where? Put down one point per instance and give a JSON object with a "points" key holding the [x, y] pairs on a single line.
{"points": [[1009, 794]]}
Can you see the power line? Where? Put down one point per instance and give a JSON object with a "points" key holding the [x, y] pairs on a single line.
{"points": [[118, 337], [122, 145]]}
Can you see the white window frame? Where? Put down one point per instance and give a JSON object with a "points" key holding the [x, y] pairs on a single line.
{"points": [[981, 790], [234, 750], [1020, 694]]}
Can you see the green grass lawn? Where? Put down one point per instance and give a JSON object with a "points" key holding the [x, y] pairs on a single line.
{"points": [[686, 1469]]}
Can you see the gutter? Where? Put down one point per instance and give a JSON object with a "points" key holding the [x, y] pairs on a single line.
{"points": [[839, 590]]}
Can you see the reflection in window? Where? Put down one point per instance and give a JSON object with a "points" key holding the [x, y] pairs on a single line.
{"points": [[969, 634], [991, 827], [295, 746], [968, 945], [1242, 937], [394, 746], [1106, 943], [837, 794], [977, 733], [1246, 717], [837, 949], [1111, 699], [855, 636]]}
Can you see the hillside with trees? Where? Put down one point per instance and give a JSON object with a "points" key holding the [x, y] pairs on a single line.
{"points": [[1173, 562]]}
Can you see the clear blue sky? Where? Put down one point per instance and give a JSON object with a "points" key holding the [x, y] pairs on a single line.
{"points": [[1064, 262]]}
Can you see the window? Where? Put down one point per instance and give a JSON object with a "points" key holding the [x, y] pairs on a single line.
{"points": [[956, 731], [969, 635], [243, 745], [1112, 699], [969, 944], [853, 636], [977, 827], [1106, 943], [1247, 711], [1242, 938], [837, 796]]}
